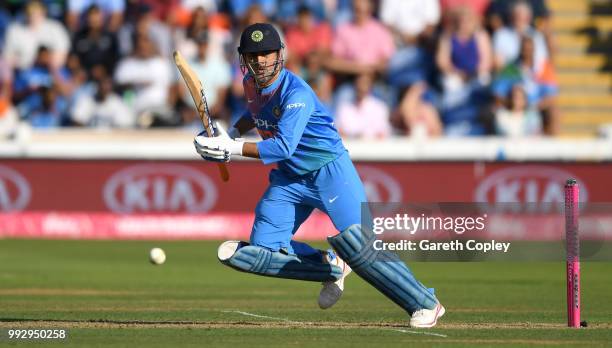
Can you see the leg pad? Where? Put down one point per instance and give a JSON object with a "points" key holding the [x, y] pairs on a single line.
{"points": [[382, 269], [254, 259]]}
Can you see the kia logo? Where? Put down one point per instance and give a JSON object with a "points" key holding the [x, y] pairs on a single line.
{"points": [[379, 186], [527, 184], [159, 187], [14, 190]]}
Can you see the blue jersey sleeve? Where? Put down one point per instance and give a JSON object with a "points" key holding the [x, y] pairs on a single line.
{"points": [[297, 109]]}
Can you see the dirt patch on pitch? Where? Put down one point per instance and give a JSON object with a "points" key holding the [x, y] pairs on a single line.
{"points": [[85, 324], [189, 324]]}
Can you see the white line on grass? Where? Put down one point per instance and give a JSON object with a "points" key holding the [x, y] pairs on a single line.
{"points": [[299, 322], [262, 316], [420, 333]]}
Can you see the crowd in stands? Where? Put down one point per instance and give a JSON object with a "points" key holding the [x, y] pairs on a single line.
{"points": [[424, 68]]}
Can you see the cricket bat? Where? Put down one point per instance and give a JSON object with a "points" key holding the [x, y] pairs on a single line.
{"points": [[197, 93]]}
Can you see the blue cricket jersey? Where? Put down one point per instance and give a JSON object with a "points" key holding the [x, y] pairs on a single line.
{"points": [[298, 130]]}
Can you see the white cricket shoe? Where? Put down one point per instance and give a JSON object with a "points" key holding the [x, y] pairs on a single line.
{"points": [[332, 291], [424, 318]]}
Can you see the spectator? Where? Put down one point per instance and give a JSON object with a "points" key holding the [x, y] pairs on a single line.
{"points": [[410, 19], [5, 21], [289, 10], [50, 112], [542, 22], [185, 39], [209, 5], [367, 117], [111, 9], [539, 86], [56, 9], [305, 37], [146, 24], [338, 11], [6, 80], [79, 82], [412, 61], [79, 77], [516, 118], [402, 47], [24, 39], [464, 56], [162, 10], [240, 8], [147, 75], [215, 74], [478, 7], [317, 77], [218, 36], [42, 76], [105, 109], [416, 115], [254, 14], [507, 40], [361, 46], [198, 15], [9, 119], [94, 45], [466, 49], [499, 13]]}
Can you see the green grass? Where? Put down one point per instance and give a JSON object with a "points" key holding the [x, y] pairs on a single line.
{"points": [[107, 294]]}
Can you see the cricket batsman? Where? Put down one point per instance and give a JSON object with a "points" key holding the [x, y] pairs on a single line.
{"points": [[314, 170]]}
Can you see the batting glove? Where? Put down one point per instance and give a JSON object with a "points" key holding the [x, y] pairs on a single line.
{"points": [[219, 148]]}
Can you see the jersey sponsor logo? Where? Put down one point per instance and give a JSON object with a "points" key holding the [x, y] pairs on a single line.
{"points": [[15, 190], [159, 187], [265, 124], [295, 105], [526, 184]]}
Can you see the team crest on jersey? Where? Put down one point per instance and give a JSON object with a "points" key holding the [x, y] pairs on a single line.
{"points": [[276, 111], [257, 36]]}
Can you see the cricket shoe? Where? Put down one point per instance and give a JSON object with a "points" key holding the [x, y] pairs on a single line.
{"points": [[332, 291], [424, 318]]}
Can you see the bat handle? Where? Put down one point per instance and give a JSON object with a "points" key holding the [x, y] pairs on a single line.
{"points": [[224, 172]]}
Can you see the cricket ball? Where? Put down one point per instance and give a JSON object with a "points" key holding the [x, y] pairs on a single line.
{"points": [[157, 256]]}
